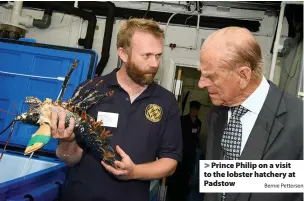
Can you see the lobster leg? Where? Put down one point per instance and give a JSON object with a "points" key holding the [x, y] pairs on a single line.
{"points": [[76, 96], [92, 99]]}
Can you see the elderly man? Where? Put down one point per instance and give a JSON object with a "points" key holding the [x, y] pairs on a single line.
{"points": [[270, 121]]}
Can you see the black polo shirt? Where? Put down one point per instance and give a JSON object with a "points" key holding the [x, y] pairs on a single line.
{"points": [[148, 128]]}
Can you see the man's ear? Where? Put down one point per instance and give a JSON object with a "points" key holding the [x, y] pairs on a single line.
{"points": [[245, 75], [122, 53]]}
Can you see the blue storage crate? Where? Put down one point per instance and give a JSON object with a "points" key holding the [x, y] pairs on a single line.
{"points": [[33, 69], [42, 179]]}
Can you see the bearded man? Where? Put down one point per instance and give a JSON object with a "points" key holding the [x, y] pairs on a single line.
{"points": [[142, 116]]}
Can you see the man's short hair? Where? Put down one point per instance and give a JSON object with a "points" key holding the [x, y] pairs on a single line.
{"points": [[129, 27], [243, 52], [195, 105]]}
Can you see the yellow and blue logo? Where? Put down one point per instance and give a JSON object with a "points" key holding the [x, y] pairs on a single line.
{"points": [[154, 112]]}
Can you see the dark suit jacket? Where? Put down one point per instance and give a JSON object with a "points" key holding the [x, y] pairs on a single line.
{"points": [[283, 142]]}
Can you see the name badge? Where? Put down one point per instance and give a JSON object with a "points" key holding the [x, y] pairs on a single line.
{"points": [[108, 119], [194, 130]]}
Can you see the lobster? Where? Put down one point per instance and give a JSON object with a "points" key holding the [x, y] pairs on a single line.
{"points": [[88, 132]]}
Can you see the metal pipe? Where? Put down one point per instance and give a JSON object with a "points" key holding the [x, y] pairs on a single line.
{"points": [[294, 2], [45, 22], [197, 31], [80, 26], [192, 47], [277, 45], [76, 4], [87, 42], [17, 19], [28, 21], [16, 12], [170, 4], [107, 37]]}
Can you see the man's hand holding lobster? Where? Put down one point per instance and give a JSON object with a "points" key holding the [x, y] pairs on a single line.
{"points": [[58, 126], [126, 167], [66, 136], [68, 150]]}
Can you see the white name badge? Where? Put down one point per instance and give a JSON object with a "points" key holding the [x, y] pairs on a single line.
{"points": [[194, 130], [108, 119]]}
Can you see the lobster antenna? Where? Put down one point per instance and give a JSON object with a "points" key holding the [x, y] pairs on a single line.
{"points": [[12, 122], [15, 108], [8, 139], [8, 112], [66, 80], [27, 164]]}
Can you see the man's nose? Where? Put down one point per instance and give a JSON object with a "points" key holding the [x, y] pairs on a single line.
{"points": [[154, 62], [203, 82]]}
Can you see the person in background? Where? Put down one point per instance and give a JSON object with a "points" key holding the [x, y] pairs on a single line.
{"points": [[252, 118], [191, 128], [179, 188], [144, 120]]}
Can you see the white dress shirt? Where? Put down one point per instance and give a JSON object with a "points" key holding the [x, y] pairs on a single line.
{"points": [[254, 104]]}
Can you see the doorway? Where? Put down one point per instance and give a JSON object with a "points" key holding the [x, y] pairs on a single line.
{"points": [[189, 91]]}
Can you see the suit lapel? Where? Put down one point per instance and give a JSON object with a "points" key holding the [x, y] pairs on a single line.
{"points": [[218, 122], [266, 126], [223, 117], [262, 135], [257, 139], [219, 126]]}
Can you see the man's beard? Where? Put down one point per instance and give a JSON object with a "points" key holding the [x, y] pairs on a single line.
{"points": [[139, 76]]}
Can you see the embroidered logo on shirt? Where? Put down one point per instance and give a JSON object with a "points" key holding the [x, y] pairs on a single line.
{"points": [[154, 112]]}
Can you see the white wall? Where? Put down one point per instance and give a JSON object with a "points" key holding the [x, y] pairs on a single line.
{"points": [[191, 57], [65, 31]]}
